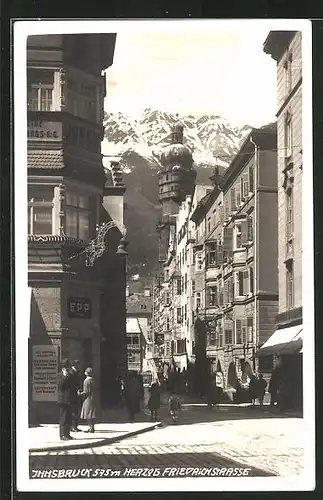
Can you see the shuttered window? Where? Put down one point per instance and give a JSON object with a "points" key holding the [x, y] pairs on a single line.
{"points": [[227, 242], [233, 198], [250, 228], [178, 319], [231, 289], [239, 284], [220, 337], [245, 282], [251, 280], [228, 337], [249, 329], [238, 325], [251, 179]]}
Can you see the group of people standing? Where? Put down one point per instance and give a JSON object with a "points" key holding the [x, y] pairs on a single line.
{"points": [[76, 400]]}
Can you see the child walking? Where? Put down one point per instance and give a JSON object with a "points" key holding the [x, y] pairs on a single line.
{"points": [[174, 406]]}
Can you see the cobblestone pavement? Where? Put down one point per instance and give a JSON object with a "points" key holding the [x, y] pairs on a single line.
{"points": [[203, 438]]}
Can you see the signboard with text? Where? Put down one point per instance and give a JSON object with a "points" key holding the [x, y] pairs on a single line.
{"points": [[79, 307], [45, 373], [44, 131]]}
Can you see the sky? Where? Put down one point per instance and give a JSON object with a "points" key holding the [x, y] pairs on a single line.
{"points": [[223, 72]]}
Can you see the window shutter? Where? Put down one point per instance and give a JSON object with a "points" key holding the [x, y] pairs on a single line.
{"points": [[226, 292], [233, 198], [240, 283], [244, 331], [227, 240], [219, 255], [250, 228], [238, 339], [250, 329], [251, 179], [238, 198], [244, 232], [231, 289], [216, 296], [221, 295], [245, 186], [251, 280], [245, 282], [241, 188]]}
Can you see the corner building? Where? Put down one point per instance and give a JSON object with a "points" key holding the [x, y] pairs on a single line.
{"points": [[76, 253], [285, 346]]}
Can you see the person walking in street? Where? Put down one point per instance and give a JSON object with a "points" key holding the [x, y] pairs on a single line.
{"points": [[261, 389], [174, 406], [253, 389], [75, 400], [64, 402], [273, 386], [88, 411], [154, 401], [132, 395]]}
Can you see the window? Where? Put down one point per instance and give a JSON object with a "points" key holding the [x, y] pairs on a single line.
{"points": [[133, 339], [178, 286], [251, 179], [78, 216], [198, 300], [134, 358], [239, 284], [40, 84], [166, 274], [211, 254], [246, 282], [193, 287], [238, 198], [209, 224], [185, 312], [178, 315], [290, 284], [227, 243], [212, 296], [40, 210], [82, 100], [228, 337], [231, 289], [288, 74], [289, 212], [167, 298], [185, 283], [180, 346], [238, 328], [238, 236], [288, 135], [226, 209]]}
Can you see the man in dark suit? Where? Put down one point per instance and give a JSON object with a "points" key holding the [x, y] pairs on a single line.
{"points": [[75, 387], [64, 401]]}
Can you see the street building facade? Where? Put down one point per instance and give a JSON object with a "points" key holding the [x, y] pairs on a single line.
{"points": [[285, 47], [76, 249], [236, 260], [139, 330]]}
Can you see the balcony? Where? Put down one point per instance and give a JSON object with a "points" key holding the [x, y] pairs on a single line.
{"points": [[212, 272], [239, 256]]}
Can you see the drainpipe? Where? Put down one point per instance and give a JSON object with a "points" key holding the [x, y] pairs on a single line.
{"points": [[255, 250]]}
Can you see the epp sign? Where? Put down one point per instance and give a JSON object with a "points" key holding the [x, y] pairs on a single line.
{"points": [[78, 307]]}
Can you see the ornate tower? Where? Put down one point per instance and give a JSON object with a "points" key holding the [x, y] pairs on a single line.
{"points": [[176, 180]]}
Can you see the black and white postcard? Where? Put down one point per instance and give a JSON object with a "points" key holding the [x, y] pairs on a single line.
{"points": [[164, 290]]}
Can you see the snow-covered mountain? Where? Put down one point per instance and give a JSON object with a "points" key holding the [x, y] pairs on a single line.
{"points": [[212, 139], [138, 144]]}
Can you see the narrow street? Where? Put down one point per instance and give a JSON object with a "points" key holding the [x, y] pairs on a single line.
{"points": [[235, 437]]}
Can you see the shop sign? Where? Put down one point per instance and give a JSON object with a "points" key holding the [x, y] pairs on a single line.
{"points": [[44, 131], [79, 307], [45, 373]]}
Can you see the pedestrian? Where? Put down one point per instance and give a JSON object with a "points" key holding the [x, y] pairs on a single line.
{"points": [[154, 401], [75, 388], [211, 394], [132, 395], [64, 402], [253, 389], [88, 411], [174, 406], [261, 389], [273, 386]]}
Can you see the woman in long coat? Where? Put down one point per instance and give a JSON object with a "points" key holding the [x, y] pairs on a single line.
{"points": [[88, 411], [154, 401]]}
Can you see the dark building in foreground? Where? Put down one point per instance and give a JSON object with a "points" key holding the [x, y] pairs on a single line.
{"points": [[76, 251]]}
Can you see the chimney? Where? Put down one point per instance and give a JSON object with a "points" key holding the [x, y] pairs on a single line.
{"points": [[147, 292], [127, 291]]}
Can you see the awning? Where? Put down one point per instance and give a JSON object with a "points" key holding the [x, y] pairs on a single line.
{"points": [[283, 341], [181, 361], [133, 325]]}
